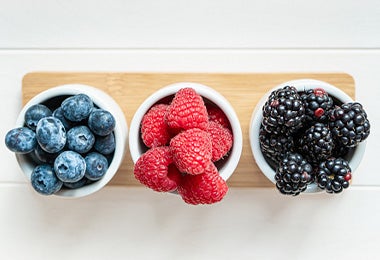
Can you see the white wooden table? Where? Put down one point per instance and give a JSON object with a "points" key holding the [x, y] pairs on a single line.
{"points": [[190, 36]]}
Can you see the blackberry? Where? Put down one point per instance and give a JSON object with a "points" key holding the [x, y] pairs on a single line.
{"points": [[275, 146], [349, 124], [293, 174], [341, 150], [316, 144], [317, 105], [333, 175], [283, 112]]}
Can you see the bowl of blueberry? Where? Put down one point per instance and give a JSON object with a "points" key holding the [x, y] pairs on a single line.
{"points": [[69, 140], [186, 139], [308, 136]]}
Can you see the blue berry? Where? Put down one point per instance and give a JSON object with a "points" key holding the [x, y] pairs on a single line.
{"points": [[21, 140], [34, 113], [51, 134], [77, 108], [80, 139], [105, 144], [101, 122], [44, 180], [77, 184], [32, 158], [44, 156], [96, 166], [58, 113], [69, 166]]}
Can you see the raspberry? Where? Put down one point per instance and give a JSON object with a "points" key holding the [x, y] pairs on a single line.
{"points": [[206, 188], [192, 151], [187, 111], [154, 131], [217, 115], [221, 139], [156, 170]]}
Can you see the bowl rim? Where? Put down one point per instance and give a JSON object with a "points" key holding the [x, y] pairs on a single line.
{"points": [[205, 91], [256, 118], [102, 100]]}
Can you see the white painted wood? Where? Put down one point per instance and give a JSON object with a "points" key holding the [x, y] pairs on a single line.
{"points": [[189, 24], [10, 90], [120, 223], [362, 65]]}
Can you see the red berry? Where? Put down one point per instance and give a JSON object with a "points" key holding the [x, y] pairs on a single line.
{"points": [[206, 188], [192, 151], [155, 169], [319, 112], [187, 111], [319, 92], [154, 130], [275, 103], [221, 139], [348, 176], [217, 115]]}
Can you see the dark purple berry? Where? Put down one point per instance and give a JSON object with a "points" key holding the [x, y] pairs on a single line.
{"points": [[349, 124], [284, 112], [333, 175], [293, 174]]}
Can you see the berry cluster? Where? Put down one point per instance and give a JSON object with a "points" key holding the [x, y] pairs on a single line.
{"points": [[185, 138], [306, 136], [70, 140]]}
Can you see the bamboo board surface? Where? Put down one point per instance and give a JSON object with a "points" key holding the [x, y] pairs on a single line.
{"points": [[242, 90]]}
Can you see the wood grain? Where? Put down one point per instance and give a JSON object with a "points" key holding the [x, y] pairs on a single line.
{"points": [[243, 91]]}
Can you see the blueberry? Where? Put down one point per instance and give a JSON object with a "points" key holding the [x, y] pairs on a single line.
{"points": [[96, 166], [101, 122], [109, 158], [32, 158], [105, 144], [80, 139], [34, 113], [77, 108], [44, 180], [51, 134], [77, 184], [69, 166], [44, 156], [58, 113], [21, 140]]}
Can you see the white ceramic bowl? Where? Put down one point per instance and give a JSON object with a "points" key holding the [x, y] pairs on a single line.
{"points": [[354, 157], [100, 99], [137, 147]]}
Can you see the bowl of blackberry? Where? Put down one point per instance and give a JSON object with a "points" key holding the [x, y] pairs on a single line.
{"points": [[186, 139], [69, 140], [308, 136]]}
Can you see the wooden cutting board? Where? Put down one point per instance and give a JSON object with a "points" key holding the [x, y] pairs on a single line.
{"points": [[243, 91]]}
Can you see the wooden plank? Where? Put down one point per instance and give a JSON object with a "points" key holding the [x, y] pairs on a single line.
{"points": [[243, 91]]}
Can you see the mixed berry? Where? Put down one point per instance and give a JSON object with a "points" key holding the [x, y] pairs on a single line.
{"points": [[185, 138], [307, 135], [71, 142]]}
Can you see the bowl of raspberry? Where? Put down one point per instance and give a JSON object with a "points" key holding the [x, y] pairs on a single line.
{"points": [[308, 136], [69, 140], [186, 139]]}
